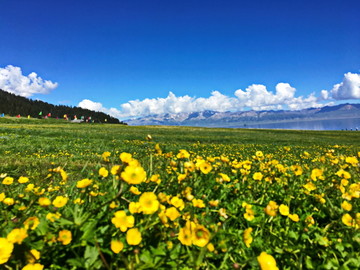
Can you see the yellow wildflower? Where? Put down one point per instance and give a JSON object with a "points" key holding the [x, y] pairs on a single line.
{"points": [[126, 157], [148, 203], [346, 206], [183, 154], [8, 180], [309, 186], [6, 248], [84, 183], [247, 237], [271, 208], [17, 235], [31, 223], [352, 160], [133, 175], [122, 221], [116, 246], [134, 207], [133, 237], [43, 201], [2, 196], [135, 190], [33, 256], [284, 210], [33, 266], [9, 201], [60, 201], [205, 167], [115, 169], [267, 262], [200, 236], [177, 202], [172, 213], [65, 237], [103, 172], [185, 233], [347, 220], [294, 217], [198, 203], [106, 156], [317, 174], [52, 217], [23, 179], [257, 176]]}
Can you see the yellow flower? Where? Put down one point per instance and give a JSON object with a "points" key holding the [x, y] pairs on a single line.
{"points": [[2, 196], [346, 206], [126, 157], [185, 233], [183, 154], [31, 223], [115, 169], [309, 186], [29, 187], [106, 156], [294, 217], [79, 201], [352, 160], [267, 262], [133, 237], [257, 176], [84, 183], [9, 201], [116, 246], [247, 237], [6, 248], [214, 203], [347, 220], [177, 202], [198, 203], [65, 237], [284, 210], [113, 205], [172, 213], [155, 178], [23, 179], [271, 208], [133, 175], [210, 247], [224, 177], [122, 221], [33, 266], [297, 169], [317, 174], [103, 172], [200, 236], [52, 217], [148, 203], [135, 190], [60, 201], [32, 256], [205, 167], [309, 221], [17, 235], [181, 177], [8, 180], [43, 201], [134, 207], [343, 174]]}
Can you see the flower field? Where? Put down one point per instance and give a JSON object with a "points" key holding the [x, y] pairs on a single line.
{"points": [[115, 197]]}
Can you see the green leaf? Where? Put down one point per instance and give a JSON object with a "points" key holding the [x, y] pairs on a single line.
{"points": [[91, 255]]}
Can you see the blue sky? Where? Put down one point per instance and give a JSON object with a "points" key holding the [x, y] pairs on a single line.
{"points": [[111, 53]]}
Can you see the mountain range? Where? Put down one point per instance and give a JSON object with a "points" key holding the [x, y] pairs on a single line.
{"points": [[248, 118]]}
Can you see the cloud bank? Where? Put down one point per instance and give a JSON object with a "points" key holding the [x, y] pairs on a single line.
{"points": [[254, 97], [12, 80]]}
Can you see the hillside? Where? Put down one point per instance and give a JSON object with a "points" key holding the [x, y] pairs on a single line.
{"points": [[14, 105]]}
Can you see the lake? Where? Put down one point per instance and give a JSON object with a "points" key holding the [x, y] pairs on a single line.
{"points": [[331, 124]]}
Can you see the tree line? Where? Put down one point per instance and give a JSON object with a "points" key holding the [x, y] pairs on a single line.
{"points": [[13, 105]]}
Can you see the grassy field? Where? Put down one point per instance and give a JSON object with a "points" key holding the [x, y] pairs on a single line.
{"points": [[100, 196]]}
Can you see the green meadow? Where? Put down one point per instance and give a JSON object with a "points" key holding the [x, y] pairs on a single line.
{"points": [[107, 196]]}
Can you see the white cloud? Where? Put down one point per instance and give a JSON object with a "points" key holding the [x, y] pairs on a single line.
{"points": [[349, 88], [12, 80], [255, 97], [98, 107]]}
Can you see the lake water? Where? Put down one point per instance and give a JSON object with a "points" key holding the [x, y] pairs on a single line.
{"points": [[333, 124]]}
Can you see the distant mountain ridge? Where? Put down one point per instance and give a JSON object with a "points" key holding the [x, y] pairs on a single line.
{"points": [[11, 104], [243, 118]]}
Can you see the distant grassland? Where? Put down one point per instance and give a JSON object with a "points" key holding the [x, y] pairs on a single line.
{"points": [[23, 141]]}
